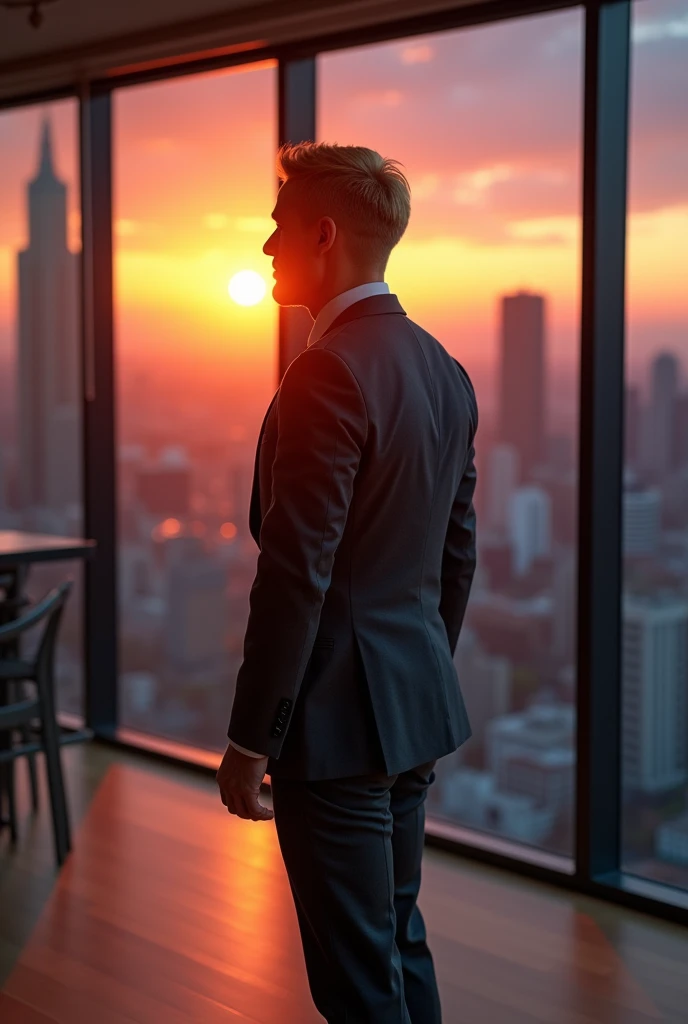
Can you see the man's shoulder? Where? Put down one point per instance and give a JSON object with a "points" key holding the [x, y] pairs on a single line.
{"points": [[353, 343]]}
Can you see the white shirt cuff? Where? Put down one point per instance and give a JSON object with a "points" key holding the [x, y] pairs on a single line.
{"points": [[243, 750]]}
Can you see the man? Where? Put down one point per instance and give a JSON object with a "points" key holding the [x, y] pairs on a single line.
{"points": [[362, 509]]}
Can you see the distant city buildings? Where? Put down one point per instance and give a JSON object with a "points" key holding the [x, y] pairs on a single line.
{"points": [[522, 387], [196, 612], [655, 692], [530, 527], [48, 357], [632, 426], [486, 682], [528, 783], [532, 754], [642, 516], [502, 481], [659, 435], [565, 593]]}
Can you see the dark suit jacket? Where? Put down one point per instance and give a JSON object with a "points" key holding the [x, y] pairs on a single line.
{"points": [[362, 509]]}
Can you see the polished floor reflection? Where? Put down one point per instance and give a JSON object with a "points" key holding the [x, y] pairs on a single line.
{"points": [[169, 910]]}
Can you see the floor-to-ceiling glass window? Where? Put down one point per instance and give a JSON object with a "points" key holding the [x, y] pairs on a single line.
{"points": [[40, 367], [487, 122], [655, 499], [196, 339]]}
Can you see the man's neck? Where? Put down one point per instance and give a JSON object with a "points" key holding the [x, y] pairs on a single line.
{"points": [[331, 293]]}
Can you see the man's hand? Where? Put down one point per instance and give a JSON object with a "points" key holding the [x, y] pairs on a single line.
{"points": [[239, 778]]}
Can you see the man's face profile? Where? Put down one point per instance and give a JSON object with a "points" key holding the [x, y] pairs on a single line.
{"points": [[298, 246]]}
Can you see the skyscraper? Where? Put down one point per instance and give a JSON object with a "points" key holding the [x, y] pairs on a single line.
{"points": [[502, 481], [655, 692], [522, 378], [658, 453], [642, 521], [530, 521], [48, 349], [632, 420]]}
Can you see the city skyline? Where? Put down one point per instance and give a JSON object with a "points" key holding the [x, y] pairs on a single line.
{"points": [[484, 186]]}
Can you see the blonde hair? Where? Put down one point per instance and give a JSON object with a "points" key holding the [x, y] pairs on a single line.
{"points": [[368, 192]]}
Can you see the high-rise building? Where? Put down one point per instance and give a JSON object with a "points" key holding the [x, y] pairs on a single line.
{"points": [[655, 692], [632, 421], [3, 484], [533, 753], [48, 349], [502, 481], [530, 527], [681, 432], [642, 516], [197, 612], [565, 591], [486, 682], [658, 446], [522, 378]]}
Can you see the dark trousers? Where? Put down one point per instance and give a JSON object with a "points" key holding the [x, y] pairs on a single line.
{"points": [[352, 849]]}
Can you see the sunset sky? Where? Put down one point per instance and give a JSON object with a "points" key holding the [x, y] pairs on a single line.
{"points": [[488, 125]]}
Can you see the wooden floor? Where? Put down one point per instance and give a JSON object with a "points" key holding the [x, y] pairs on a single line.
{"points": [[170, 911]]}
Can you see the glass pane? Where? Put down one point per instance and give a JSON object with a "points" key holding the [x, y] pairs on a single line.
{"points": [[196, 335], [655, 504], [487, 123], [40, 385]]}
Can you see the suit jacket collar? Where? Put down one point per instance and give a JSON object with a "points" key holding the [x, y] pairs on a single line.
{"points": [[375, 305]]}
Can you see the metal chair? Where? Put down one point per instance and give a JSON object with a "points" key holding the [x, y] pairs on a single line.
{"points": [[21, 715], [12, 602]]}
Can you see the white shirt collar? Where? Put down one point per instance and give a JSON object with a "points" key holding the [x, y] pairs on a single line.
{"points": [[332, 309]]}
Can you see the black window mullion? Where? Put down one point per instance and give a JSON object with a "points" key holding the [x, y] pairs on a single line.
{"points": [[605, 158], [296, 123], [100, 611]]}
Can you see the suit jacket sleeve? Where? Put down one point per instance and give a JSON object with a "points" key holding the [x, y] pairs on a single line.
{"points": [[459, 556], [321, 430]]}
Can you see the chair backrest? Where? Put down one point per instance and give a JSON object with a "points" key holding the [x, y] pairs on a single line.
{"points": [[48, 610]]}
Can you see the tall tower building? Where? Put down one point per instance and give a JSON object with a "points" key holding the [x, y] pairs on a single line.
{"points": [[522, 378], [530, 515], [632, 421], [502, 481], [642, 521], [658, 452], [48, 348], [655, 693]]}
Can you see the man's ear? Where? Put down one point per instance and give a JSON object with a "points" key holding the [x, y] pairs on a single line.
{"points": [[327, 235]]}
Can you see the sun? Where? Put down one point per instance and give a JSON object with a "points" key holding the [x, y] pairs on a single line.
{"points": [[247, 288]]}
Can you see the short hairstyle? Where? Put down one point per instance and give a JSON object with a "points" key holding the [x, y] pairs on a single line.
{"points": [[370, 193]]}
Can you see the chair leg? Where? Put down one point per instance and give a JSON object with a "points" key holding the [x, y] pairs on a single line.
{"points": [[33, 778], [4, 818], [11, 801], [31, 760], [58, 801]]}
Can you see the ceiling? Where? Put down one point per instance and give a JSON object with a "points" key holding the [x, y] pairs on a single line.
{"points": [[81, 39]]}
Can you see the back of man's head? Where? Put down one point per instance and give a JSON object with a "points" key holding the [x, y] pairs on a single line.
{"points": [[367, 195]]}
